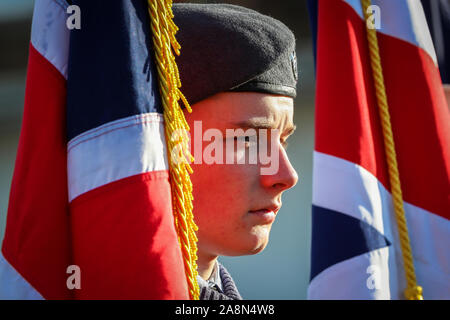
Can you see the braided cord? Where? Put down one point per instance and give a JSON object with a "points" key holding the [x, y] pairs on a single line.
{"points": [[413, 291], [176, 128]]}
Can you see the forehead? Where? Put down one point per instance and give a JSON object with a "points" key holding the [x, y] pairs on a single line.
{"points": [[234, 109]]}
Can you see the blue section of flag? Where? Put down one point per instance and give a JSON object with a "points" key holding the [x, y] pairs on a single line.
{"points": [[337, 237], [111, 73], [313, 9], [437, 13]]}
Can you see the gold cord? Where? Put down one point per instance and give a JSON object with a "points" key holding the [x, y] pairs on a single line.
{"points": [[176, 128], [413, 291]]}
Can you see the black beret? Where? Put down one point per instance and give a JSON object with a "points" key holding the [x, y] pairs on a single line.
{"points": [[230, 48]]}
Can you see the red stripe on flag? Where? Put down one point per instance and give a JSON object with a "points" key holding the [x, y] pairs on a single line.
{"points": [[421, 124], [37, 240], [347, 121], [125, 241]]}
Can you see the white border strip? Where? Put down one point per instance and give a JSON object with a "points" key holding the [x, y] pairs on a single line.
{"points": [[402, 19], [114, 151], [343, 186], [49, 33], [13, 285]]}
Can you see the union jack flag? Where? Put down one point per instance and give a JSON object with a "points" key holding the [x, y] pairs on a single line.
{"points": [[91, 184], [356, 250]]}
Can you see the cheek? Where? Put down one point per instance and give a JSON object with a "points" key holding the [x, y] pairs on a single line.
{"points": [[222, 191], [220, 184]]}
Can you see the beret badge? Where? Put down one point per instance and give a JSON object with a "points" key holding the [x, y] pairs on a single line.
{"points": [[294, 65]]}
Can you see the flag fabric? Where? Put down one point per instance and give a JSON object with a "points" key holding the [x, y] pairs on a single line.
{"points": [[91, 183], [438, 18], [355, 251]]}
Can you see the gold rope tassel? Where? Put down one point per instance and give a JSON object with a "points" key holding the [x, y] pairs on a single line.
{"points": [[176, 128], [413, 291]]}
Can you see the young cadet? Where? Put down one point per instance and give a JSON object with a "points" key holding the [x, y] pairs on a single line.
{"points": [[238, 69]]}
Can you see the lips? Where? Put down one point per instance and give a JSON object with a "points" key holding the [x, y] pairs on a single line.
{"points": [[265, 215], [273, 208], [262, 211]]}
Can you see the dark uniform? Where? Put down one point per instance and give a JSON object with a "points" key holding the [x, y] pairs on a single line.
{"points": [[220, 286]]}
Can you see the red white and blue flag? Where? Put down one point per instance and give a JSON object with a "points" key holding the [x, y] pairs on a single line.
{"points": [[91, 184], [356, 251]]}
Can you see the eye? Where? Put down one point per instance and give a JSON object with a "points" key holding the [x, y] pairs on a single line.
{"points": [[243, 138], [246, 139]]}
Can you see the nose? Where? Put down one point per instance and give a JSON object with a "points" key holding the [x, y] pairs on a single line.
{"points": [[284, 178]]}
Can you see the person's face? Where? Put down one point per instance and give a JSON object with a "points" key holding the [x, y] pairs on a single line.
{"points": [[227, 196]]}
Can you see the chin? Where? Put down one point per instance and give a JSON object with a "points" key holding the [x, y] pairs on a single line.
{"points": [[258, 249], [242, 244], [258, 239], [254, 245], [247, 251]]}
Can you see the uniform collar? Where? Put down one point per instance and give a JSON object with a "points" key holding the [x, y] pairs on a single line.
{"points": [[214, 280]]}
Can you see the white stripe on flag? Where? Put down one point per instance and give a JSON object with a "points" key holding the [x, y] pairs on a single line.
{"points": [[13, 285], [49, 33], [364, 277], [114, 151], [345, 187], [402, 19]]}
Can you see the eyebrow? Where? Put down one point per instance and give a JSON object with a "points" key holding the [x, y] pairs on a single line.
{"points": [[263, 124]]}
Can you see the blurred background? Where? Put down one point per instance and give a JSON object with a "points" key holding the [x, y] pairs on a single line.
{"points": [[15, 30], [281, 271]]}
